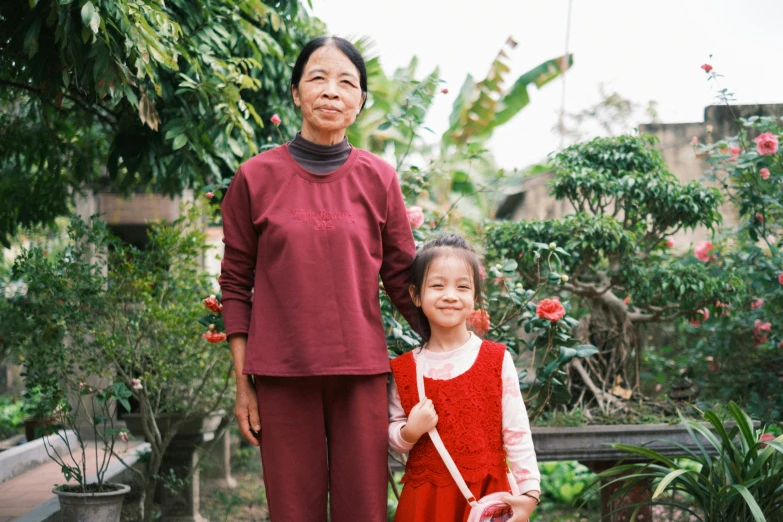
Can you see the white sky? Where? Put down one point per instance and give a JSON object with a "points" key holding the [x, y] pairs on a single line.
{"points": [[643, 50]]}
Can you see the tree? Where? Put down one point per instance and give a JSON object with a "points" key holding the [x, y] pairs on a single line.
{"points": [[627, 205], [132, 95]]}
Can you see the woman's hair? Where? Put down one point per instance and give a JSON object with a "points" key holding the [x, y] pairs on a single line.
{"points": [[346, 47], [445, 244]]}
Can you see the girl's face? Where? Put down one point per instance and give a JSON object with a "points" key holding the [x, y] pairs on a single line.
{"points": [[447, 295]]}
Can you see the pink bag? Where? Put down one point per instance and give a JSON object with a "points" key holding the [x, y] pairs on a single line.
{"points": [[487, 509], [491, 509]]}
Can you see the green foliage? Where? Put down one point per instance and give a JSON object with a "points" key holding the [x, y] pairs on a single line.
{"points": [[110, 311], [737, 353], [563, 482], [138, 95], [11, 416], [627, 204], [733, 476]]}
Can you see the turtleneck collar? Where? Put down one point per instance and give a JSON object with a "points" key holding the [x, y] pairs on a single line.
{"points": [[319, 159]]}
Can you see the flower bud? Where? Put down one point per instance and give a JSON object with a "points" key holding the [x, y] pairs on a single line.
{"points": [[552, 245], [563, 278]]}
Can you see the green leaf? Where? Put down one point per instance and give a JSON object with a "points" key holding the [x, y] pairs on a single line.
{"points": [[179, 142], [31, 39], [88, 10], [510, 265], [754, 507], [667, 479]]}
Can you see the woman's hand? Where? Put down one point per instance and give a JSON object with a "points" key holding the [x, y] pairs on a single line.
{"points": [[246, 411], [522, 505], [422, 419]]}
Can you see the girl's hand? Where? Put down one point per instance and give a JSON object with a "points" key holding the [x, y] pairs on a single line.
{"points": [[522, 505], [246, 411], [422, 419]]}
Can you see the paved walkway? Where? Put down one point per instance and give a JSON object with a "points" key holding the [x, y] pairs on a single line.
{"points": [[23, 493]]}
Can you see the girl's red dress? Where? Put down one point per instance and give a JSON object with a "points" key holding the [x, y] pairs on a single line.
{"points": [[469, 409]]}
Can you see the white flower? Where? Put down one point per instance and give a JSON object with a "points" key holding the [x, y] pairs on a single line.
{"points": [[136, 384], [15, 289]]}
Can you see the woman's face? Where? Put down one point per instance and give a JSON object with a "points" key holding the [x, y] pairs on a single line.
{"points": [[329, 95]]}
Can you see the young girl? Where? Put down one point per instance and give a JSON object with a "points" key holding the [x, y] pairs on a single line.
{"points": [[472, 394]]}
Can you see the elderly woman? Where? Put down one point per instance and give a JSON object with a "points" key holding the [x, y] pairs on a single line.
{"points": [[308, 228]]}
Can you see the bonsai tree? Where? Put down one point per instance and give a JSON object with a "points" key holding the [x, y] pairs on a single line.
{"points": [[627, 205], [103, 311]]}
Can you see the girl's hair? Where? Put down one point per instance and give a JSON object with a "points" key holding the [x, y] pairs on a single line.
{"points": [[346, 47], [445, 244]]}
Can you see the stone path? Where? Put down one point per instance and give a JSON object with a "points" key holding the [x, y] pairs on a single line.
{"points": [[27, 491]]}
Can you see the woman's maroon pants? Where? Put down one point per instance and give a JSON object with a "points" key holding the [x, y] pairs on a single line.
{"points": [[324, 440]]}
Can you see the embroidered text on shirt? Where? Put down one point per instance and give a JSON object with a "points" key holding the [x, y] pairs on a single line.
{"points": [[322, 220]]}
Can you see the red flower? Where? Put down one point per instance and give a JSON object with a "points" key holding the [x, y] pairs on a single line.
{"points": [[275, 119], [764, 173], [415, 216], [705, 314], [758, 303], [766, 144], [210, 195], [725, 307], [765, 437], [479, 322], [669, 243], [212, 304], [550, 309], [214, 337], [702, 251], [780, 278], [627, 299], [759, 218], [445, 90], [707, 67]]}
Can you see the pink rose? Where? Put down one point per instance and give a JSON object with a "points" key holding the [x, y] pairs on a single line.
{"points": [[210, 195], [764, 173], [707, 67], [479, 322], [735, 151], [702, 251], [758, 303], [550, 309], [695, 140], [415, 216], [765, 437], [780, 278], [766, 144], [275, 119], [759, 327], [696, 321]]}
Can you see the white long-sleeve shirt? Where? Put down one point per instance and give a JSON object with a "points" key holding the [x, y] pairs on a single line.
{"points": [[517, 439]]}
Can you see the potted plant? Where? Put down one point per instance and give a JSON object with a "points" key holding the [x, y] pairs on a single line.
{"points": [[82, 498], [115, 313], [739, 481]]}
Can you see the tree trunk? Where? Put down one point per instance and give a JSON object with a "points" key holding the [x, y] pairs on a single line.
{"points": [[609, 329]]}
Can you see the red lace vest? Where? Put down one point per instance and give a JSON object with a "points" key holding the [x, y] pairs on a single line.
{"points": [[470, 423]]}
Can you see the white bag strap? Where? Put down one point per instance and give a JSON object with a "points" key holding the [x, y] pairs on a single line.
{"points": [[444, 453]]}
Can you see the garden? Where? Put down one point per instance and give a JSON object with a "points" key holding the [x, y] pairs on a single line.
{"points": [[651, 369]]}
